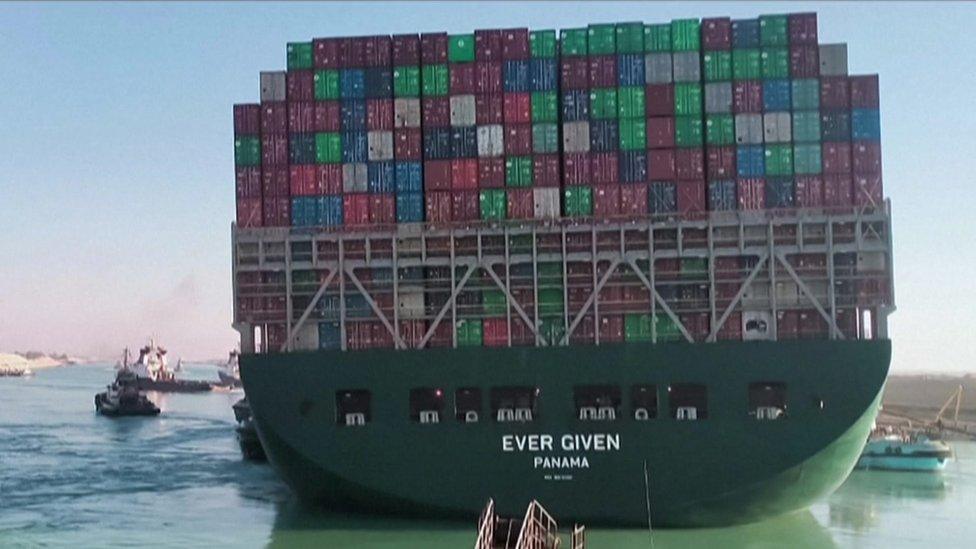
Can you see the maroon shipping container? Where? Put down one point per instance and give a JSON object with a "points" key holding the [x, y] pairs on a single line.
{"points": [[635, 298], [352, 52], [462, 78], [520, 204], [721, 163], [489, 109], [633, 199], [660, 132], [812, 325], [407, 144], [301, 117], [378, 50], [436, 111], [465, 206], [518, 108], [247, 119], [584, 332], [545, 170], [867, 190], [864, 92], [382, 209], [299, 86], [751, 193], [732, 329], [728, 268], [464, 174], [604, 168], [603, 71], [437, 175], [249, 212], [379, 114], [574, 73], [747, 96], [659, 100], [495, 332], [611, 297], [274, 117], [612, 329], [515, 44], [521, 334], [405, 49], [836, 157], [329, 178], [606, 200], [488, 45], [433, 48], [359, 336], [274, 181], [276, 211], [716, 33], [689, 164], [809, 191], [660, 165], [355, 209], [576, 169], [866, 157], [248, 181], [691, 196], [787, 324], [491, 173], [412, 332], [302, 180], [274, 149], [438, 206], [835, 92], [803, 28], [325, 53], [697, 324], [518, 138], [488, 77], [804, 61], [837, 190], [328, 116]]}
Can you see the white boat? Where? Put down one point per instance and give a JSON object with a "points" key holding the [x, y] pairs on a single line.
{"points": [[895, 452], [230, 373]]}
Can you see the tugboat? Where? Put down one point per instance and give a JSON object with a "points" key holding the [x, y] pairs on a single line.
{"points": [[230, 373], [247, 434], [152, 373], [905, 452], [123, 398]]}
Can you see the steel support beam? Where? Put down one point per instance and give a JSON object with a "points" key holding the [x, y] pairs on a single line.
{"points": [[308, 310], [376, 308], [589, 302], [738, 297], [515, 304], [660, 301], [806, 290], [449, 305]]}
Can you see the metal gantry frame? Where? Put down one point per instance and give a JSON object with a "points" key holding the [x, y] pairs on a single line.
{"points": [[769, 238]]}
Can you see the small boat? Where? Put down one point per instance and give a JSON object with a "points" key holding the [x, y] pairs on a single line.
{"points": [[905, 452], [123, 398], [247, 434], [152, 373], [230, 373], [536, 530]]}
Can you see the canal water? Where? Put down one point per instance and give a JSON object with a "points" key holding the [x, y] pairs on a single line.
{"points": [[69, 478]]}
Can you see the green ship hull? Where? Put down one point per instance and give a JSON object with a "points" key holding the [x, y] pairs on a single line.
{"points": [[727, 468]]}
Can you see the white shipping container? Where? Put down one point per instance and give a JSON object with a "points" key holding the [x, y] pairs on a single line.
{"points": [[380, 145], [756, 325], [491, 141], [748, 129], [833, 59], [354, 178], [870, 261], [410, 304], [787, 293], [576, 137], [546, 202], [756, 295], [777, 127], [657, 68], [819, 290], [272, 86], [686, 66], [462, 110], [718, 97], [306, 338], [406, 112]]}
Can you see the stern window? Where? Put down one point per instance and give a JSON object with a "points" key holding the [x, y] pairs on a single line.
{"points": [[467, 405], [689, 401], [353, 407], [426, 405], [597, 402], [643, 399], [514, 404], [767, 400]]}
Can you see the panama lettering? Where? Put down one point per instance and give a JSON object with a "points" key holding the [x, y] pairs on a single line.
{"points": [[572, 442]]}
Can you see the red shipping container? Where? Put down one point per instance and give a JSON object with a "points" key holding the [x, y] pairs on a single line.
{"points": [[575, 73], [277, 211], [721, 163], [464, 174], [660, 132], [836, 157], [689, 164], [408, 144], [355, 209], [488, 77], [747, 96], [691, 196], [379, 114], [495, 332], [436, 112], [660, 165], [751, 193], [837, 190], [576, 169], [636, 298], [274, 149], [835, 92], [378, 51], [809, 191], [518, 139], [491, 173], [247, 119], [325, 53], [545, 170], [328, 117], [611, 297], [382, 209], [438, 206], [433, 48], [584, 332], [805, 61], [301, 117], [443, 335], [274, 117], [659, 100], [606, 200], [697, 324], [274, 181], [787, 324], [603, 71], [867, 190], [382, 338], [352, 52], [488, 45], [803, 28], [412, 332], [302, 180], [489, 109], [275, 337], [462, 78], [465, 205], [864, 92], [731, 330], [249, 212], [328, 178], [248, 182], [667, 268], [359, 336], [299, 86], [437, 175], [520, 204], [518, 108], [515, 44], [521, 334], [405, 50], [716, 33], [611, 329], [603, 168], [633, 199], [576, 297], [812, 325], [866, 157]]}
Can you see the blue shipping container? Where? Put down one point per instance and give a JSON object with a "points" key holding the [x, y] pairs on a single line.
{"points": [[330, 210], [304, 211], [357, 306], [354, 147], [353, 114], [745, 33], [330, 336], [632, 166], [543, 75], [630, 69], [662, 197], [721, 195], [779, 192], [515, 76], [776, 95], [750, 161], [328, 306], [352, 84], [576, 105], [437, 143], [410, 275], [301, 148], [380, 177], [409, 177], [604, 135], [866, 125], [464, 142], [379, 82], [409, 207]]}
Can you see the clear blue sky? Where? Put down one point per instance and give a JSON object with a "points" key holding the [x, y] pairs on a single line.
{"points": [[116, 158]]}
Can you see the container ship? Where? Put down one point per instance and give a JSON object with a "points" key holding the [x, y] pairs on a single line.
{"points": [[635, 271]]}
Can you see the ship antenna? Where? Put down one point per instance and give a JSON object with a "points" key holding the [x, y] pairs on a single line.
{"points": [[647, 500]]}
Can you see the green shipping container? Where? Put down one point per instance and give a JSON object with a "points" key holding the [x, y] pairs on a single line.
{"points": [[630, 101], [578, 201], [469, 333], [637, 327], [775, 63], [806, 158], [551, 302], [688, 131], [520, 243], [573, 42], [633, 134], [666, 329], [494, 205], [542, 43], [718, 66], [436, 80], [545, 106], [779, 160], [601, 39], [494, 302], [657, 38], [685, 35], [806, 126], [328, 148], [460, 48], [406, 81], [247, 151], [299, 55], [518, 172], [806, 94], [687, 99], [630, 38], [746, 64], [552, 329], [545, 138], [550, 275], [719, 129], [694, 267], [603, 103], [327, 84], [773, 30]]}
